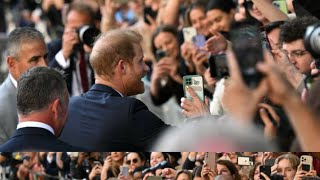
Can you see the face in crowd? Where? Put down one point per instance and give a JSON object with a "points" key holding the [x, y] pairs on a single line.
{"points": [[286, 169], [155, 158], [298, 55], [31, 54], [167, 42], [219, 20], [199, 21], [134, 161]]}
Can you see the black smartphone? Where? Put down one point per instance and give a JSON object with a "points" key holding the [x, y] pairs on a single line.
{"points": [[247, 47], [264, 39], [160, 54], [266, 169], [147, 11], [218, 66]]}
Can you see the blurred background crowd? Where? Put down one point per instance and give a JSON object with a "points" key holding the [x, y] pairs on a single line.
{"points": [[160, 165], [70, 27]]}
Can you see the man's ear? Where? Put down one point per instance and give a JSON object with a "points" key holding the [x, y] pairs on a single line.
{"points": [[54, 108], [121, 66], [11, 62]]}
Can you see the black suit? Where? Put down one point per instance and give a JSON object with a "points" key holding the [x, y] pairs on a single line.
{"points": [[35, 139], [53, 48], [102, 120]]}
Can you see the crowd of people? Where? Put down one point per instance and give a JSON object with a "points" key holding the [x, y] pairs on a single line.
{"points": [[160, 165], [108, 75]]}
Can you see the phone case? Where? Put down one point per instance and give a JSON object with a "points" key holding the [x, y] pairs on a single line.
{"points": [[124, 170], [282, 5], [266, 170], [199, 41], [189, 33], [306, 162], [210, 159], [245, 161], [196, 83]]}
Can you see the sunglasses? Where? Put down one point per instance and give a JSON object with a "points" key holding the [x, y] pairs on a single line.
{"points": [[133, 160]]}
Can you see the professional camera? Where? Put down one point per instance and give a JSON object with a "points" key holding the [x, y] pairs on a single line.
{"points": [[88, 34], [312, 42]]}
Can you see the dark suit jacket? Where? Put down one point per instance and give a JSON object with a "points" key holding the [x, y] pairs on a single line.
{"points": [[102, 120], [53, 48], [35, 139]]}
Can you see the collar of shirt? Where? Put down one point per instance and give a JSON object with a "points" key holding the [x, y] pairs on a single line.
{"points": [[119, 93], [35, 124], [13, 81]]}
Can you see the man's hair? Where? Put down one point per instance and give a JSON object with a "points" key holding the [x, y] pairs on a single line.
{"points": [[273, 25], [111, 47], [295, 29], [81, 8], [19, 36], [38, 87]]}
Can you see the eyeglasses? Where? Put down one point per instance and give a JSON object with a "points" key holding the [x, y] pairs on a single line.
{"points": [[133, 160], [296, 53]]}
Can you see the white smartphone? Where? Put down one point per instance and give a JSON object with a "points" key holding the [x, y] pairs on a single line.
{"points": [[124, 170], [306, 162], [196, 83], [245, 161], [189, 33]]}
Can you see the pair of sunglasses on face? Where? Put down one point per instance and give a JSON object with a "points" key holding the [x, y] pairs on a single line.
{"points": [[133, 161]]}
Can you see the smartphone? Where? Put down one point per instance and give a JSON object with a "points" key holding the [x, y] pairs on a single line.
{"points": [[245, 161], [96, 163], [218, 66], [210, 159], [74, 154], [265, 40], [196, 83], [306, 162], [147, 11], [266, 170], [155, 178], [270, 162], [247, 47], [282, 5], [199, 41], [189, 33], [124, 170], [160, 54]]}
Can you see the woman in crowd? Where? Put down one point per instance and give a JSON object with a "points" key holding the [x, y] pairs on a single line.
{"points": [[134, 160], [111, 166]]}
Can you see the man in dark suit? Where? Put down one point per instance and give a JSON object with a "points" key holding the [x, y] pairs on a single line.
{"points": [[68, 54], [25, 49], [42, 104], [104, 118]]}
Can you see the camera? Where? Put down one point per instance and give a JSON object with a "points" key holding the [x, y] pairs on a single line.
{"points": [[88, 34], [312, 42]]}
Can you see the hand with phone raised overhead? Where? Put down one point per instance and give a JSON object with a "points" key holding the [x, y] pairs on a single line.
{"points": [[207, 173], [239, 100], [96, 171], [194, 107]]}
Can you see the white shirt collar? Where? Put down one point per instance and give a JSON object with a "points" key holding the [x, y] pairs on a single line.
{"points": [[35, 124], [13, 81]]}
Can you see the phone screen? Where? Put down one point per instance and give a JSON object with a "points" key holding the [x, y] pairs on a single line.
{"points": [[218, 66], [247, 47], [189, 33], [196, 83], [147, 11], [266, 170], [124, 170]]}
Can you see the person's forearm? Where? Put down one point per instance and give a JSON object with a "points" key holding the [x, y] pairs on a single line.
{"points": [[172, 12], [271, 12], [304, 123], [108, 23]]}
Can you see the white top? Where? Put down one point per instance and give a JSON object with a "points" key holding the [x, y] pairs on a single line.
{"points": [[13, 81], [76, 79], [35, 124]]}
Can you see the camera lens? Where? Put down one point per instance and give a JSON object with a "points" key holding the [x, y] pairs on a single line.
{"points": [[88, 34], [312, 40]]}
